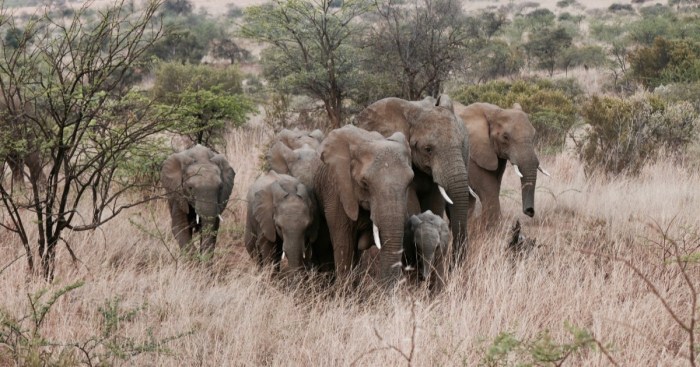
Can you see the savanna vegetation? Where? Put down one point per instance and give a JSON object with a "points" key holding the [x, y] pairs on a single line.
{"points": [[91, 275]]}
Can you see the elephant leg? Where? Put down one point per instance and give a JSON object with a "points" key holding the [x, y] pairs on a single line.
{"points": [[268, 252], [490, 202], [344, 243], [17, 167], [181, 228], [438, 275], [413, 204], [36, 173]]}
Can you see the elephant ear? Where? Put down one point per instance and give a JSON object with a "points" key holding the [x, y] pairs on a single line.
{"points": [[444, 100], [335, 152], [227, 177], [263, 212], [171, 175], [318, 135], [481, 149], [414, 222], [279, 156]]}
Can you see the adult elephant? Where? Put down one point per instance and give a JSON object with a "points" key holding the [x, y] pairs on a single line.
{"points": [[291, 140], [198, 183], [362, 187], [439, 150], [498, 136]]}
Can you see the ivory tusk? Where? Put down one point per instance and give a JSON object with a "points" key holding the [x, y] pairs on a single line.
{"points": [[409, 268], [543, 171], [221, 219], [283, 255], [517, 171], [197, 218], [472, 192], [444, 195], [375, 233]]}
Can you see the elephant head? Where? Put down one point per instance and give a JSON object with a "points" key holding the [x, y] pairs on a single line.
{"points": [[291, 140], [439, 150], [430, 234], [498, 135], [365, 178], [284, 212], [198, 183], [301, 163]]}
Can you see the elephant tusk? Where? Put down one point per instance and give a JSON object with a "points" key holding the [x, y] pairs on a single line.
{"points": [[284, 255], [221, 219], [375, 233], [397, 265], [409, 268], [472, 192], [444, 195], [517, 171], [197, 218], [543, 171]]}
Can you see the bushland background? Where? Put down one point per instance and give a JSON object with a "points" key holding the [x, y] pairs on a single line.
{"points": [[613, 88]]}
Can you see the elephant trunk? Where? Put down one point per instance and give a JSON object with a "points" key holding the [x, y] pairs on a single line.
{"points": [[390, 221], [527, 170], [208, 216], [454, 178], [293, 247], [527, 183]]}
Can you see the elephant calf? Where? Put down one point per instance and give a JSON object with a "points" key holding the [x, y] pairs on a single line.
{"points": [[281, 220], [198, 183], [428, 236]]}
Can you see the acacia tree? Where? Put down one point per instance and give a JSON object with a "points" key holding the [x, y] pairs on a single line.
{"points": [[420, 42], [310, 47], [64, 87]]}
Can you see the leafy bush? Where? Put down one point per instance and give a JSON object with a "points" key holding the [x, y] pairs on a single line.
{"points": [[628, 133], [621, 7], [681, 92], [204, 100], [666, 61], [550, 104]]}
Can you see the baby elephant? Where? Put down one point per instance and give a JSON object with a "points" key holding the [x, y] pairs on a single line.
{"points": [[427, 235], [281, 220]]}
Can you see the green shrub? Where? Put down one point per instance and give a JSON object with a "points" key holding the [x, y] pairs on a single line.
{"points": [[628, 133], [666, 61], [205, 101], [550, 104]]}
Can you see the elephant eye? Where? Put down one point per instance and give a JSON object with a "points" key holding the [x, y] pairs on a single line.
{"points": [[506, 136], [363, 184], [428, 149]]}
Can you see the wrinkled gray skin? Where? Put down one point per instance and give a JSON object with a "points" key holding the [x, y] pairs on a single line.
{"points": [[364, 180], [429, 236], [281, 219], [498, 136], [304, 163], [292, 140], [12, 113], [198, 182], [439, 150]]}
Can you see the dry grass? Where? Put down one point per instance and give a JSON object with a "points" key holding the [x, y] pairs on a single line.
{"points": [[237, 316]]}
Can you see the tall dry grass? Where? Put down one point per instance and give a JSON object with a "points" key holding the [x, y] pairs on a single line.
{"points": [[230, 314]]}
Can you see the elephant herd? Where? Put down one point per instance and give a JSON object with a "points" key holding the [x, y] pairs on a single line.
{"points": [[403, 178]]}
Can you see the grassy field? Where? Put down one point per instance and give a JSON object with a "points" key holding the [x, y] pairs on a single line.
{"points": [[229, 314]]}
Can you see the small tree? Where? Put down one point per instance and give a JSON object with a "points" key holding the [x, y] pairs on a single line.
{"points": [[547, 45], [420, 42], [67, 76], [310, 48], [205, 101]]}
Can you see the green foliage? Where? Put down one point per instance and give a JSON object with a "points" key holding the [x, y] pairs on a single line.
{"points": [[566, 3], [628, 133], [666, 61], [205, 101], [621, 8], [496, 59], [187, 38], [588, 55], [606, 31], [543, 350], [540, 18], [681, 92], [311, 51], [547, 45], [549, 104], [23, 340], [646, 30], [177, 7]]}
